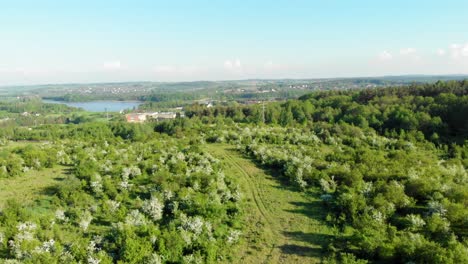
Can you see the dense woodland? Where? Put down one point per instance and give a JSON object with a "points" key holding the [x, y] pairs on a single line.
{"points": [[436, 110], [389, 166]]}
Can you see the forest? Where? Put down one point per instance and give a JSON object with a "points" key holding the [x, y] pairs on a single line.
{"points": [[385, 169]]}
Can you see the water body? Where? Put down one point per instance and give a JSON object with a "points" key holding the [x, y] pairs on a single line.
{"points": [[99, 106]]}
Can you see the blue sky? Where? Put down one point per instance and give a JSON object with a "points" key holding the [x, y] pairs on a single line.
{"points": [[99, 41]]}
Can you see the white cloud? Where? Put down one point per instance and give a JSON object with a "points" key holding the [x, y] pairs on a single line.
{"points": [[410, 53], [112, 65], [233, 65], [459, 51], [441, 52], [385, 55], [228, 64], [407, 51]]}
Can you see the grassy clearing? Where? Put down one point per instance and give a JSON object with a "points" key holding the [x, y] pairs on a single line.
{"points": [[31, 187], [282, 224]]}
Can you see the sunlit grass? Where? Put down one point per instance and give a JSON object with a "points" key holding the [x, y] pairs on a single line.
{"points": [[282, 225], [32, 186]]}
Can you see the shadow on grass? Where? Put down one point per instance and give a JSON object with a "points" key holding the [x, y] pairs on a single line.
{"points": [[68, 170], [313, 238], [319, 239], [312, 209], [53, 189], [49, 190], [303, 251]]}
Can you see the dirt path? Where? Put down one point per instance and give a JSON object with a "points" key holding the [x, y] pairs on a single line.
{"points": [[282, 224]]}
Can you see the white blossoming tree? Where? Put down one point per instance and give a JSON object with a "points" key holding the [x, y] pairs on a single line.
{"points": [[153, 208]]}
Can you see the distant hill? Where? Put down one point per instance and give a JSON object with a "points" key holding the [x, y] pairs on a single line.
{"points": [[217, 90]]}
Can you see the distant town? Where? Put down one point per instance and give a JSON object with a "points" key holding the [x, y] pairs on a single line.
{"points": [[143, 117]]}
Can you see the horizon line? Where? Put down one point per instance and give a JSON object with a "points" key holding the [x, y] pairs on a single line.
{"points": [[237, 80]]}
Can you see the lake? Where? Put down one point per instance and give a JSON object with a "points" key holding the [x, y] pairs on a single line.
{"points": [[99, 106]]}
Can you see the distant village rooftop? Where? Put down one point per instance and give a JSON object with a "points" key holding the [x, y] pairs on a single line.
{"points": [[143, 117]]}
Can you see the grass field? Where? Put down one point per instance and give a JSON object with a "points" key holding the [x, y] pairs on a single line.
{"points": [[30, 188], [282, 224]]}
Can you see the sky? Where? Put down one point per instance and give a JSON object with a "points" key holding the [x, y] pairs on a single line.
{"points": [[75, 41]]}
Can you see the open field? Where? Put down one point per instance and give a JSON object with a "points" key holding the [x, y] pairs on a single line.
{"points": [[282, 225], [31, 187]]}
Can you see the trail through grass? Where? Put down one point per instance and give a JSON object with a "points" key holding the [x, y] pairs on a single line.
{"points": [[283, 225]]}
